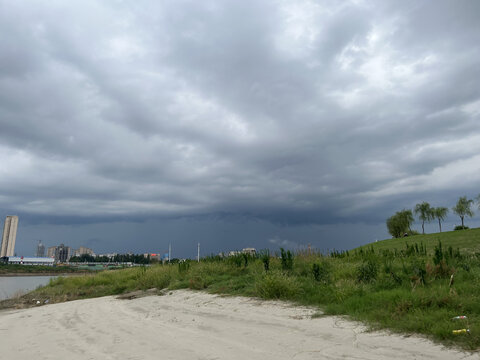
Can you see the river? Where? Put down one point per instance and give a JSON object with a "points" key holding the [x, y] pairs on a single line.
{"points": [[14, 285]]}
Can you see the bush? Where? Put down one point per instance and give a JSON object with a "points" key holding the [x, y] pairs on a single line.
{"points": [[460, 227], [321, 272], [367, 272]]}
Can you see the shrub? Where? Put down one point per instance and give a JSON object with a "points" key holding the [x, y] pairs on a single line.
{"points": [[367, 271], [321, 272], [460, 227]]}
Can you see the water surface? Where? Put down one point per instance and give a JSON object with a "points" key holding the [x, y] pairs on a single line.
{"points": [[13, 285]]}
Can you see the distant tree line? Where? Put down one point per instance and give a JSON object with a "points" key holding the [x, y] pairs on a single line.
{"points": [[399, 224], [118, 258]]}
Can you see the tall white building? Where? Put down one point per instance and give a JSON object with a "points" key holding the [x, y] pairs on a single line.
{"points": [[9, 236], [40, 249]]}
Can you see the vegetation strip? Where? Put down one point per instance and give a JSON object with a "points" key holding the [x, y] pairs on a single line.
{"points": [[37, 270]]}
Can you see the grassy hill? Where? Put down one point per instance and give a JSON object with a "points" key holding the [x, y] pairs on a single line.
{"points": [[467, 241]]}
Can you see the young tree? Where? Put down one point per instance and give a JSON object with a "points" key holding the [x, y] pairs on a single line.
{"points": [[400, 223], [424, 212], [440, 213], [463, 208]]}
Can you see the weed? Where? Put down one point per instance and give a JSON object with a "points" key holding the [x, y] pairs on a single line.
{"points": [[245, 259], [183, 266], [321, 272], [419, 272], [265, 256], [286, 259], [367, 271], [441, 270], [237, 259], [438, 253], [197, 283], [402, 308], [275, 285]]}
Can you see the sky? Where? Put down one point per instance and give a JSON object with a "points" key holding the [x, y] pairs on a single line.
{"points": [[128, 126]]}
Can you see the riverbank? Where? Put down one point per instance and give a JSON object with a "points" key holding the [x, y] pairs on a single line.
{"points": [[188, 325], [79, 273], [38, 270], [15, 289]]}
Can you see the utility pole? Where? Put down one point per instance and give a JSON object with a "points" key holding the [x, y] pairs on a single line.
{"points": [[169, 252], [198, 252]]}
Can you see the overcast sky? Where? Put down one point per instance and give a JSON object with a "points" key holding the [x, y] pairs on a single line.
{"points": [[128, 125]]}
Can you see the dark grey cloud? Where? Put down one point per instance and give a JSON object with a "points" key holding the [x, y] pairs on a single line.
{"points": [[294, 113]]}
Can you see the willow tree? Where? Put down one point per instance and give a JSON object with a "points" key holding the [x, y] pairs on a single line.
{"points": [[440, 213], [400, 223], [424, 212], [463, 208]]}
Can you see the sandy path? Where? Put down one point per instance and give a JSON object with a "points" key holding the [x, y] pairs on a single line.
{"points": [[195, 325]]}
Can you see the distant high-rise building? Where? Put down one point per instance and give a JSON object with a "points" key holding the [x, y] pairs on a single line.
{"points": [[9, 236], [51, 251], [62, 253], [40, 249], [82, 250]]}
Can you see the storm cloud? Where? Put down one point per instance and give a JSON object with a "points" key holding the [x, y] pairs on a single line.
{"points": [[305, 113]]}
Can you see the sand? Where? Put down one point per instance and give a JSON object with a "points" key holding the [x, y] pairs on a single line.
{"points": [[195, 325]]}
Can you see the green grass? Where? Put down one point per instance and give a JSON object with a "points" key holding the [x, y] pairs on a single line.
{"points": [[387, 285], [468, 241]]}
